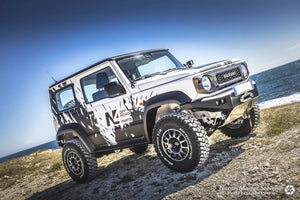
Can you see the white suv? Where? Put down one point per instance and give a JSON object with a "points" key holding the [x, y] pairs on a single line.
{"points": [[150, 97]]}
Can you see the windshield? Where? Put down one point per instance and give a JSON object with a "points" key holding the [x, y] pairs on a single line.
{"points": [[148, 64]]}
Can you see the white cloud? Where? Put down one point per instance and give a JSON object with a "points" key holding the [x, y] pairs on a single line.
{"points": [[296, 46]]}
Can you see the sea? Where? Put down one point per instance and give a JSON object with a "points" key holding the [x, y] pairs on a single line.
{"points": [[277, 86], [48, 145]]}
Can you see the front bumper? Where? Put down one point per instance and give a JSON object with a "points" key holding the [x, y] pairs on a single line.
{"points": [[231, 105]]}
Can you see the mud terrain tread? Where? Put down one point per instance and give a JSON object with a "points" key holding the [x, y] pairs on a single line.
{"points": [[201, 136], [256, 111], [198, 131], [91, 161]]}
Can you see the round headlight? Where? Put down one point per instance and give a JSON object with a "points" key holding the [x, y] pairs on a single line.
{"points": [[206, 84], [244, 71]]}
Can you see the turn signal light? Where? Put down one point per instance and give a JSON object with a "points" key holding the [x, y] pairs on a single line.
{"points": [[197, 81]]}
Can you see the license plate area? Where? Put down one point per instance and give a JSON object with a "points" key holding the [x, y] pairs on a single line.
{"points": [[242, 88]]}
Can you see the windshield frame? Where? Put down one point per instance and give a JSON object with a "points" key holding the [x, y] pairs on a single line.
{"points": [[139, 77]]}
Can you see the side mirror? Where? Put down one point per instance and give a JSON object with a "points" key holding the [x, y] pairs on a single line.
{"points": [[190, 63], [132, 78], [114, 88]]}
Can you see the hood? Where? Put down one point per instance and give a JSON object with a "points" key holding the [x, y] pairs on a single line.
{"points": [[217, 64], [161, 79], [175, 75]]}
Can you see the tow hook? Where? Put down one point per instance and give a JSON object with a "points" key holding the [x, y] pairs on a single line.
{"points": [[250, 121], [246, 97]]}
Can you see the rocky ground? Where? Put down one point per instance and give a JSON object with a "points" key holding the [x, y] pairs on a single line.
{"points": [[258, 166]]}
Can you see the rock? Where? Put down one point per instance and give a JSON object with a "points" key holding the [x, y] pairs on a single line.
{"points": [[266, 164], [192, 176], [170, 180], [176, 184], [126, 178]]}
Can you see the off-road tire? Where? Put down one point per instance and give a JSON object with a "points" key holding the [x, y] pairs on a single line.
{"points": [[139, 149], [192, 132], [244, 129], [85, 163]]}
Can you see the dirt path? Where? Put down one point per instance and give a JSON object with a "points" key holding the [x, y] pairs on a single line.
{"points": [[261, 171], [232, 163], [251, 167], [141, 177]]}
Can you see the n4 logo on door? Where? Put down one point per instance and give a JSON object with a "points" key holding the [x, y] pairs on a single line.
{"points": [[117, 117]]}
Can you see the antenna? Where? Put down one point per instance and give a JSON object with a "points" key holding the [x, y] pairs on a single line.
{"points": [[51, 76]]}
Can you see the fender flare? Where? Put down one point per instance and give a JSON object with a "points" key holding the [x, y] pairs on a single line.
{"points": [[176, 97], [70, 131]]}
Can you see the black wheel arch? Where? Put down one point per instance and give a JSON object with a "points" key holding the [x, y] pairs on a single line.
{"points": [[151, 106], [71, 131]]}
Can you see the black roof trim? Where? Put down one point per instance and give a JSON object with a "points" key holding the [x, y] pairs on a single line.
{"points": [[137, 53], [107, 59]]}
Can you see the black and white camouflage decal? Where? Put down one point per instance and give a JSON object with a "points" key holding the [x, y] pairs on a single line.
{"points": [[108, 120]]}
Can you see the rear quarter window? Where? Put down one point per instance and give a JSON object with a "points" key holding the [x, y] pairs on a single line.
{"points": [[65, 99]]}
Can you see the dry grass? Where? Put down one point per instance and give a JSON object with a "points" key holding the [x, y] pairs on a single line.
{"points": [[280, 119], [35, 165]]}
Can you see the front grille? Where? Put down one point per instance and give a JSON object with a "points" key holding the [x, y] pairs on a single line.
{"points": [[228, 75]]}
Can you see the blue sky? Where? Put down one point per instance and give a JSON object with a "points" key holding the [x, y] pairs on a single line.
{"points": [[66, 36]]}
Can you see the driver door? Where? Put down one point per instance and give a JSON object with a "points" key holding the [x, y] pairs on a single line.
{"points": [[112, 108]]}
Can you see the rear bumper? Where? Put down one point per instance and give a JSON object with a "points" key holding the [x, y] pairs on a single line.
{"points": [[231, 105]]}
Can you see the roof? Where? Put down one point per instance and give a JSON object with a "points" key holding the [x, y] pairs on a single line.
{"points": [[137, 53], [108, 59]]}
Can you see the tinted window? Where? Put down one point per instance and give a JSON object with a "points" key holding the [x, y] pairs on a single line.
{"points": [[93, 85], [65, 98]]}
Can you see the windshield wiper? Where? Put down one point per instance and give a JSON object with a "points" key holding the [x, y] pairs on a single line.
{"points": [[159, 73], [149, 75], [174, 69]]}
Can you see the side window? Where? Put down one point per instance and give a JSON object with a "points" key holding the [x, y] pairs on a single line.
{"points": [[65, 98], [93, 85]]}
